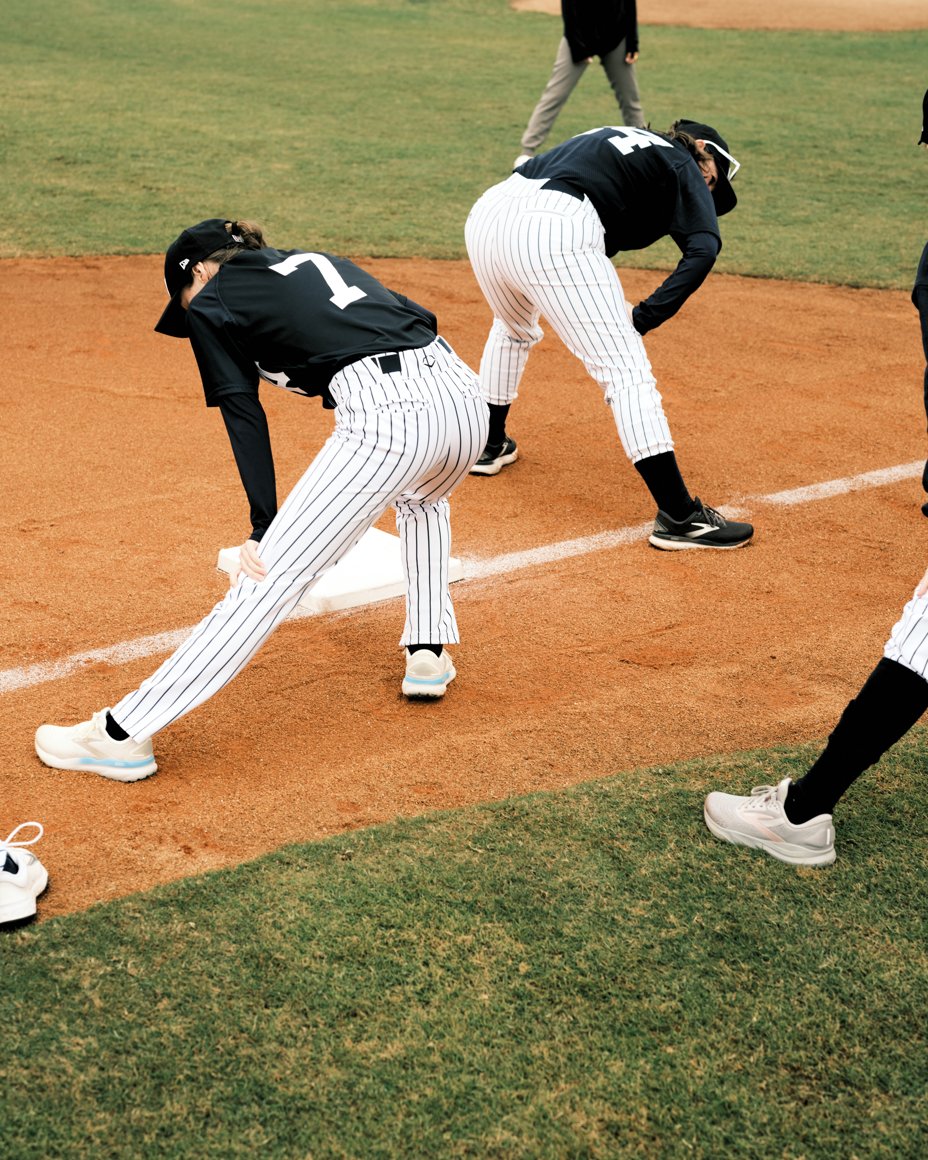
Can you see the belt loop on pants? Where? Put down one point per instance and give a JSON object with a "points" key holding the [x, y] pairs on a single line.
{"points": [[441, 342], [389, 363], [564, 187]]}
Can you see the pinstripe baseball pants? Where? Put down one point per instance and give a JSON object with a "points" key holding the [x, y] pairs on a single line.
{"points": [[541, 252], [908, 641], [408, 428]]}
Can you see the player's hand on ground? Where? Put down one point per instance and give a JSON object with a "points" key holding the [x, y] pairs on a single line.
{"points": [[922, 586], [250, 563]]}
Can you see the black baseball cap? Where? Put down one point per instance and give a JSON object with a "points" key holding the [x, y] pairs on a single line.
{"points": [[723, 195], [194, 244]]}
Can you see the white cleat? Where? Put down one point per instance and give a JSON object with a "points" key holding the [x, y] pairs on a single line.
{"points": [[760, 821], [89, 748], [22, 876], [426, 674]]}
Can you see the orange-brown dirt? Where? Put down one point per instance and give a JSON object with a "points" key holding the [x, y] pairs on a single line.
{"points": [[820, 15], [120, 488]]}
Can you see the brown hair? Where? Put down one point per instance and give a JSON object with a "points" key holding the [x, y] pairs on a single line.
{"points": [[252, 238], [688, 141]]}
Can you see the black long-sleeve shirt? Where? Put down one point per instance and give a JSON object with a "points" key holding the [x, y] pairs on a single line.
{"points": [[596, 27]]}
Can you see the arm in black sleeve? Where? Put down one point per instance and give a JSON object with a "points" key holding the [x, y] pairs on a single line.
{"points": [[631, 27], [246, 424], [699, 254]]}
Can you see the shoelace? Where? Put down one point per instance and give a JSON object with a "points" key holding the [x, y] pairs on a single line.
{"points": [[761, 797], [711, 516], [96, 725], [10, 844]]}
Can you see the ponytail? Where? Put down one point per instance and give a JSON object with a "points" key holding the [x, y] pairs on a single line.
{"points": [[242, 236]]}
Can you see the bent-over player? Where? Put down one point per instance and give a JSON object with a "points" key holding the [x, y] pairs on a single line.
{"points": [[409, 423], [540, 242], [793, 821]]}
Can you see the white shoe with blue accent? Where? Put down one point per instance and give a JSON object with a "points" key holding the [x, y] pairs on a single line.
{"points": [[426, 674], [89, 748]]}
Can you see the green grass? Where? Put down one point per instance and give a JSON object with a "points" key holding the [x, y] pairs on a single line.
{"points": [[580, 974], [370, 126]]}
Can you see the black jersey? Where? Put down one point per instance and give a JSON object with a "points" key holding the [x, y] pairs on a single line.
{"points": [[295, 318], [644, 187]]}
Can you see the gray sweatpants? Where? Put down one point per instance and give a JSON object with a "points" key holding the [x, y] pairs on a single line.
{"points": [[564, 78]]}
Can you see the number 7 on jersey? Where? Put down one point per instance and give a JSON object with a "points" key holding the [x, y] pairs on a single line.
{"points": [[342, 294]]}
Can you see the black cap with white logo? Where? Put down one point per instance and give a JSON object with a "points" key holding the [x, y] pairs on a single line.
{"points": [[194, 244]]}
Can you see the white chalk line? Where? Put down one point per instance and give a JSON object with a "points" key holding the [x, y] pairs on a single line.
{"points": [[474, 569]]}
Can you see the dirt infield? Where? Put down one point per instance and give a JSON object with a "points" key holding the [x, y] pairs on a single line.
{"points": [[818, 15], [121, 487]]}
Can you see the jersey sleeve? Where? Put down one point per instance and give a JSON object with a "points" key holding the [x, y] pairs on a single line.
{"points": [[698, 258], [246, 425], [695, 229], [224, 369]]}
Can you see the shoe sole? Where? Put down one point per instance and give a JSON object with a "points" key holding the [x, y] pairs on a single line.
{"points": [[496, 466], [781, 853], [668, 544], [422, 689], [87, 765], [26, 908]]}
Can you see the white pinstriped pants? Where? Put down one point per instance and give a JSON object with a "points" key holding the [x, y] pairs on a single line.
{"points": [[541, 252], [406, 438], [908, 641]]}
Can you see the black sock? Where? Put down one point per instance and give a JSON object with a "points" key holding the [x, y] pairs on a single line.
{"points": [[890, 702], [113, 730], [497, 424], [665, 483], [433, 648]]}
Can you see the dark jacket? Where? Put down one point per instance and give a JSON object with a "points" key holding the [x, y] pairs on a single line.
{"points": [[596, 27]]}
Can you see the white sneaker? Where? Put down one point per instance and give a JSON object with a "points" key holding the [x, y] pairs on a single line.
{"points": [[89, 747], [521, 160], [426, 674], [760, 821], [22, 876]]}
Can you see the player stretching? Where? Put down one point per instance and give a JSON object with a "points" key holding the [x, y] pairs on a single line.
{"points": [[540, 242], [409, 423]]}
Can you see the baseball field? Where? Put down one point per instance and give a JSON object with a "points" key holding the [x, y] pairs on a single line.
{"points": [[340, 924]]}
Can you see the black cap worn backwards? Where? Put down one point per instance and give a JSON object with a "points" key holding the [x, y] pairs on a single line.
{"points": [[723, 195], [194, 244]]}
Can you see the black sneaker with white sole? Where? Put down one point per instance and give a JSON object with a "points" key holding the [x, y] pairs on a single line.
{"points": [[495, 457], [705, 528]]}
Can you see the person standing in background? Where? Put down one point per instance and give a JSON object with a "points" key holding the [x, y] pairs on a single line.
{"points": [[604, 28], [920, 293]]}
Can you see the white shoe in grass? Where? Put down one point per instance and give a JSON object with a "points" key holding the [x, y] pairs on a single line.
{"points": [[760, 821]]}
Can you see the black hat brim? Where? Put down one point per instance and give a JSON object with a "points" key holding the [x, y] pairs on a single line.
{"points": [[174, 319]]}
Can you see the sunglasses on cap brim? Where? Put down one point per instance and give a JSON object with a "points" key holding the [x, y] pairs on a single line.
{"points": [[733, 165]]}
